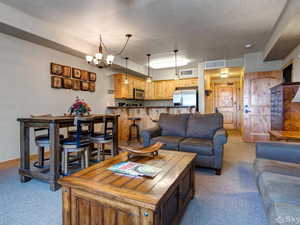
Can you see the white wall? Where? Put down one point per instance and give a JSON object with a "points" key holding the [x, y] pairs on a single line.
{"points": [[169, 73], [295, 56], [25, 88], [253, 62]]}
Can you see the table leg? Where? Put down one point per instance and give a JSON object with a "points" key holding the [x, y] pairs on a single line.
{"points": [[54, 156], [24, 151], [115, 137]]}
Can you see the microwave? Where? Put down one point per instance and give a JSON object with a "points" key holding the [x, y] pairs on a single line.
{"points": [[138, 94]]}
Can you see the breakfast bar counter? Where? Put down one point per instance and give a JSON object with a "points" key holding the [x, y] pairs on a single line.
{"points": [[148, 115]]}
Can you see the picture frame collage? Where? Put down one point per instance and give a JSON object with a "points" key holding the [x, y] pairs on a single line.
{"points": [[66, 77]]}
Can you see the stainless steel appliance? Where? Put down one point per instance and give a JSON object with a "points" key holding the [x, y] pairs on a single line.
{"points": [[138, 94], [186, 97]]}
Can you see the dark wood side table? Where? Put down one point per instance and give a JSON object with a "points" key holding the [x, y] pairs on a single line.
{"points": [[53, 123], [282, 135]]}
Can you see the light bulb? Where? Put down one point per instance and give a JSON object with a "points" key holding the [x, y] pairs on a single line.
{"points": [[96, 61], [224, 75], [89, 58], [110, 59], [148, 80], [126, 81], [98, 56]]}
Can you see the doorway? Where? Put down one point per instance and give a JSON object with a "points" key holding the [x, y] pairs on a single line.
{"points": [[223, 93]]}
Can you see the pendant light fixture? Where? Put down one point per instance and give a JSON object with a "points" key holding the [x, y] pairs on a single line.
{"points": [[100, 60], [176, 70], [149, 80], [126, 71]]}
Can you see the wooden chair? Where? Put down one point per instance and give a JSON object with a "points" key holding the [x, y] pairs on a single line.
{"points": [[78, 144], [100, 139], [42, 141]]}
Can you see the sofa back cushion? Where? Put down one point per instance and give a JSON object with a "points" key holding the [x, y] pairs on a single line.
{"points": [[173, 124], [204, 125]]}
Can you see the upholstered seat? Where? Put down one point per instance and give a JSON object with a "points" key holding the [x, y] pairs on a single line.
{"points": [[279, 188], [44, 139], [71, 142], [171, 142], [275, 166], [101, 137], [201, 146]]}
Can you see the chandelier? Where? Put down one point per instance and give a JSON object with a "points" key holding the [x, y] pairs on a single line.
{"points": [[102, 60]]}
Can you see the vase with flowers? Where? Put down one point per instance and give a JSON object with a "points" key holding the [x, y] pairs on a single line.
{"points": [[79, 108]]}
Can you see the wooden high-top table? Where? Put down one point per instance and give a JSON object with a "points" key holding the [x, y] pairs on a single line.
{"points": [[98, 196], [53, 123]]}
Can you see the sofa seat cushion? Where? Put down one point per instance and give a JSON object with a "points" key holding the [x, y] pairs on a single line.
{"points": [[279, 188], [201, 146], [274, 166], [203, 125], [171, 142], [173, 124], [284, 214]]}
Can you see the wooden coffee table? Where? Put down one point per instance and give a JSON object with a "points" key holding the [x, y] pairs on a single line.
{"points": [[285, 135], [99, 197]]}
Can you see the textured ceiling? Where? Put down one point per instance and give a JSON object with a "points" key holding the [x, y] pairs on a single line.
{"points": [[204, 29]]}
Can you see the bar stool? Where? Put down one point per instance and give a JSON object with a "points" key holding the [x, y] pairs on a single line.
{"points": [[132, 127], [78, 144], [100, 139], [42, 142]]}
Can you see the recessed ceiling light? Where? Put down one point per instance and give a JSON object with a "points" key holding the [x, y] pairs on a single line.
{"points": [[168, 62], [248, 45]]}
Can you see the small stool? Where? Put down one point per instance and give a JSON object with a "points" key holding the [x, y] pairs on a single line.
{"points": [[136, 127]]}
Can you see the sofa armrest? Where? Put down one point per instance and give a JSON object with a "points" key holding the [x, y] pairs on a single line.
{"points": [[219, 139], [287, 152], [150, 133], [220, 136]]}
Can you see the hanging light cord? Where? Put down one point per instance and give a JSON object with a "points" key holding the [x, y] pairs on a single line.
{"points": [[176, 70], [128, 36], [126, 67], [148, 65]]}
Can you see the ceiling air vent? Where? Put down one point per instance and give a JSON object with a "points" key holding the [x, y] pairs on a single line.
{"points": [[216, 64]]}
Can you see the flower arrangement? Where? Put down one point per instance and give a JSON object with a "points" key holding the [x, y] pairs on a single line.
{"points": [[80, 107]]}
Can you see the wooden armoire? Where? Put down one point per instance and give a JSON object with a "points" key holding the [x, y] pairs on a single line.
{"points": [[285, 115]]}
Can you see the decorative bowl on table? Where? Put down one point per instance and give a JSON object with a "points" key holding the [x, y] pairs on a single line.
{"points": [[144, 151]]}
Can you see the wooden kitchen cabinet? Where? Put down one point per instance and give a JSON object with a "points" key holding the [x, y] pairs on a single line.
{"points": [[156, 90], [149, 91]]}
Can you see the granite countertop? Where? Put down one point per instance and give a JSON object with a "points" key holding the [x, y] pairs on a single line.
{"points": [[147, 107]]}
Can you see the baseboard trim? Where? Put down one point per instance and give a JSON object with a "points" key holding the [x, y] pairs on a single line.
{"points": [[16, 162]]}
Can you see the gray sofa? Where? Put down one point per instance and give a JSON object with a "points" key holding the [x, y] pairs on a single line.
{"points": [[198, 133], [277, 170]]}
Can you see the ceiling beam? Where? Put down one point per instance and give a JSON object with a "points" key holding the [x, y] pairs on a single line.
{"points": [[18, 24], [286, 33]]}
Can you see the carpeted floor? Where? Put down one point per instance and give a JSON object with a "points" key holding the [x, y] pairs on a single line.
{"points": [[230, 199]]}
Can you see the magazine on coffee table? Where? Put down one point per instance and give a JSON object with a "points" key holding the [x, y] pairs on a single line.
{"points": [[135, 169]]}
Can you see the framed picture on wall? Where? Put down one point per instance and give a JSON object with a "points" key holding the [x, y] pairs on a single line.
{"points": [[93, 76], [84, 86], [92, 86], [67, 83], [56, 82], [56, 69], [76, 73], [66, 71], [84, 75], [76, 85]]}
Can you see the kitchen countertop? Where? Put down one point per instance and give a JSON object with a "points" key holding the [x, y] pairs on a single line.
{"points": [[147, 107]]}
